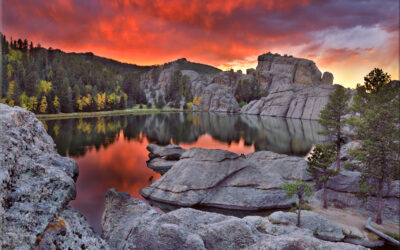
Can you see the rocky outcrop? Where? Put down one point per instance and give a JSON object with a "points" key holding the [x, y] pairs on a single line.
{"points": [[295, 86], [36, 185], [218, 178], [219, 98], [132, 224]]}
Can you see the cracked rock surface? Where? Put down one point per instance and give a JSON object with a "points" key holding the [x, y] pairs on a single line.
{"points": [[219, 178], [36, 184], [132, 224]]}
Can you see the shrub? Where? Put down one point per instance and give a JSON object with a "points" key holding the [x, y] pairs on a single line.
{"points": [[148, 105], [140, 106], [242, 103], [190, 105]]}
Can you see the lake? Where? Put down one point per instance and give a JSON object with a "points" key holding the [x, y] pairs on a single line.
{"points": [[111, 151]]}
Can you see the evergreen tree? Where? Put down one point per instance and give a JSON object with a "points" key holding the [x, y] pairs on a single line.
{"points": [[332, 118], [301, 190], [318, 166], [375, 80], [377, 124]]}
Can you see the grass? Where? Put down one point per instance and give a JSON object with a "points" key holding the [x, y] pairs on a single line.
{"points": [[134, 110]]}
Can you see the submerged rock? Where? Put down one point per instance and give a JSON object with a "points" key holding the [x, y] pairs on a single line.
{"points": [[36, 183], [163, 158], [132, 224], [169, 152], [219, 178]]}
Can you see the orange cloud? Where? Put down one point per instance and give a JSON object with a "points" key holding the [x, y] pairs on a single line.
{"points": [[220, 33]]}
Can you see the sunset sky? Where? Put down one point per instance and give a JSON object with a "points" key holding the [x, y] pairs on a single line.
{"points": [[346, 37]]}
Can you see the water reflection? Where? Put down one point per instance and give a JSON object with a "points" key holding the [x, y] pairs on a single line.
{"points": [[74, 137], [111, 151]]}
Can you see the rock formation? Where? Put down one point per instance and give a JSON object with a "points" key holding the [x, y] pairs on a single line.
{"points": [[218, 178], [295, 87], [36, 185], [132, 224]]}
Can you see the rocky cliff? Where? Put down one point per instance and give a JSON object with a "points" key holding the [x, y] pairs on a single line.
{"points": [[294, 87], [36, 185]]}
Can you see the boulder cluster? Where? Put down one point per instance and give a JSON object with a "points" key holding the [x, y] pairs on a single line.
{"points": [[222, 179], [133, 224]]}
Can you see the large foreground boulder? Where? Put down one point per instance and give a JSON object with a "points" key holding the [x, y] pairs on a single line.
{"points": [[132, 224], [218, 178], [36, 185]]}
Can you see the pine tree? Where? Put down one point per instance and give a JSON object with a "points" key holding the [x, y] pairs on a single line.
{"points": [[375, 80], [332, 117], [300, 189], [318, 166], [377, 104]]}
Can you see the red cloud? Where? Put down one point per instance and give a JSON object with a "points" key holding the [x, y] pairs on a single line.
{"points": [[213, 32]]}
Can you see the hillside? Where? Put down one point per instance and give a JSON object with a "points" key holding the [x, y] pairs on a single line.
{"points": [[51, 81]]}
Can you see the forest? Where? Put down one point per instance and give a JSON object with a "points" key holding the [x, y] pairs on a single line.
{"points": [[51, 81]]}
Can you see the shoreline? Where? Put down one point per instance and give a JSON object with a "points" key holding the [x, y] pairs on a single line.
{"points": [[108, 113]]}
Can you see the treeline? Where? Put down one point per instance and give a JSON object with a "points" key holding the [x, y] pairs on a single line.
{"points": [[51, 81]]}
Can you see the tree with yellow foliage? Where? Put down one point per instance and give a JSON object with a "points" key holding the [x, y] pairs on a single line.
{"points": [[197, 100], [32, 103], [44, 86], [43, 105], [56, 103], [101, 101]]}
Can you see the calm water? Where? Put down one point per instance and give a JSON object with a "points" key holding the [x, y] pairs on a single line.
{"points": [[111, 151]]}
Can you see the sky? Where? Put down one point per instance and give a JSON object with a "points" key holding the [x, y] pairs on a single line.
{"points": [[346, 37]]}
